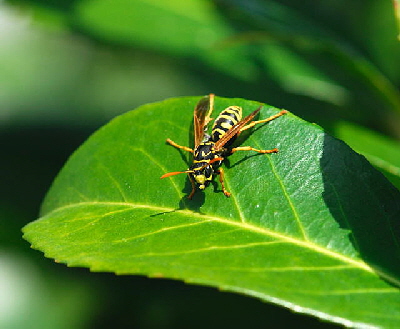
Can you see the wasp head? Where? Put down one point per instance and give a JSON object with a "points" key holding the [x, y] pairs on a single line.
{"points": [[202, 175]]}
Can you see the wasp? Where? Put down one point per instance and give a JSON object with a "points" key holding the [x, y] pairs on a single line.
{"points": [[210, 150]]}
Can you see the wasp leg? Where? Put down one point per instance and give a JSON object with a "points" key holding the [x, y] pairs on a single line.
{"points": [[171, 142], [190, 196], [221, 179], [249, 148], [253, 123]]}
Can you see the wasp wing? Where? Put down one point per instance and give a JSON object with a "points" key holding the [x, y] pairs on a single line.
{"points": [[219, 144], [201, 117]]}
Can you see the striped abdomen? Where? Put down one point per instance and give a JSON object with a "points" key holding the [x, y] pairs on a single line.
{"points": [[225, 121]]}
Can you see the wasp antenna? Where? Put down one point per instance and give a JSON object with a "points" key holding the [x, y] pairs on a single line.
{"points": [[175, 173]]}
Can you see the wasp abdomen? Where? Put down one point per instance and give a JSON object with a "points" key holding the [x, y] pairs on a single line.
{"points": [[225, 121]]}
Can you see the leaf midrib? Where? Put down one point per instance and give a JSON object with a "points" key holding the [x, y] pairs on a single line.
{"points": [[246, 226]]}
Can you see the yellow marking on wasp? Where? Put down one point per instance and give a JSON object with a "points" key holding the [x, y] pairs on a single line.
{"points": [[226, 116], [219, 131], [226, 125], [233, 109]]}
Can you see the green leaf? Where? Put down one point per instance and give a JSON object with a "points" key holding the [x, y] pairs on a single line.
{"points": [[380, 150], [396, 4], [193, 29], [314, 228], [318, 36]]}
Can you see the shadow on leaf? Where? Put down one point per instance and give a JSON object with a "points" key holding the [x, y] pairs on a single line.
{"points": [[364, 202]]}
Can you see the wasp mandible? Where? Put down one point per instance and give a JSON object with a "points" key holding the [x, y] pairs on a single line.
{"points": [[210, 150]]}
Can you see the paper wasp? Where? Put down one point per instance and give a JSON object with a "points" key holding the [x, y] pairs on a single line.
{"points": [[210, 150]]}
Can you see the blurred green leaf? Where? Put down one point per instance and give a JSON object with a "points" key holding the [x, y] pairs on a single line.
{"points": [[396, 5], [32, 299], [313, 228], [311, 29], [192, 30], [380, 150], [339, 53], [298, 76], [173, 26], [80, 82]]}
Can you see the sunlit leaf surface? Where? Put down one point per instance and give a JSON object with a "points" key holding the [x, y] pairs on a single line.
{"points": [[314, 227]]}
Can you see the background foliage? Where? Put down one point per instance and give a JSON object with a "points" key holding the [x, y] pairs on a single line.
{"points": [[67, 67]]}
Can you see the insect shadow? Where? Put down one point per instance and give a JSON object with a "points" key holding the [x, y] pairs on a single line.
{"points": [[193, 204], [185, 203]]}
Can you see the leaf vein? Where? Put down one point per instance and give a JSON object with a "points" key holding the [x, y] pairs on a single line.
{"points": [[244, 226], [289, 200], [163, 169], [289, 268], [114, 181], [96, 218], [206, 249], [285, 193], [162, 230]]}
